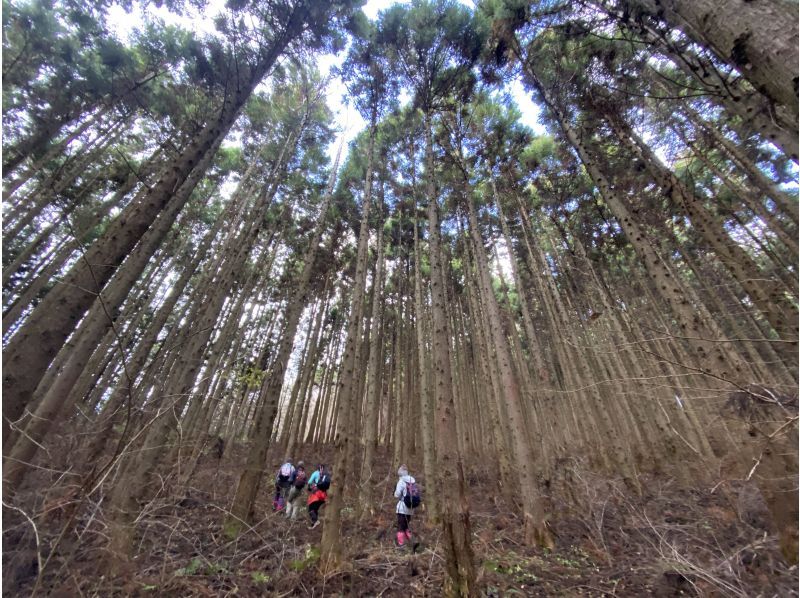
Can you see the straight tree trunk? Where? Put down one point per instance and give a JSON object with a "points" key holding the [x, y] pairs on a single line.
{"points": [[374, 385], [53, 152], [757, 111], [50, 400], [305, 374], [768, 295], [179, 388], [349, 379], [454, 513], [51, 188], [758, 114], [34, 345], [759, 39], [536, 531], [788, 205], [710, 357], [242, 510], [26, 293]]}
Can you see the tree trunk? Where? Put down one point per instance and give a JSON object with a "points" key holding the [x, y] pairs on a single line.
{"points": [[536, 531], [50, 401], [331, 556], [768, 295], [374, 384], [454, 513], [788, 205], [33, 347], [759, 39], [304, 376], [757, 113], [269, 394], [26, 293]]}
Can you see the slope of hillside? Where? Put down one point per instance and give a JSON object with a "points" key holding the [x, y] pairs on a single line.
{"points": [[667, 542]]}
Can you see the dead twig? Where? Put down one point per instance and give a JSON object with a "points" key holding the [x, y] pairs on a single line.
{"points": [[38, 544]]}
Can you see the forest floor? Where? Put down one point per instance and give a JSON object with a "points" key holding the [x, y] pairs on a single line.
{"points": [[610, 541]]}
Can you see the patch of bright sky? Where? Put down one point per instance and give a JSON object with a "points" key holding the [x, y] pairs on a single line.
{"points": [[348, 121], [123, 23]]}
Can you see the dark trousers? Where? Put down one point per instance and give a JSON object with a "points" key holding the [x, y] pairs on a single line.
{"points": [[280, 489], [313, 510], [402, 522]]}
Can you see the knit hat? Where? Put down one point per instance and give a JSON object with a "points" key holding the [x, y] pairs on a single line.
{"points": [[402, 471], [300, 464]]}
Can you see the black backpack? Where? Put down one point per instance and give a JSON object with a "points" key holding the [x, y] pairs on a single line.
{"points": [[324, 481], [412, 497]]}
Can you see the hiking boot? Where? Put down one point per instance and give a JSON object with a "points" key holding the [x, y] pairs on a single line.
{"points": [[313, 525], [400, 540]]}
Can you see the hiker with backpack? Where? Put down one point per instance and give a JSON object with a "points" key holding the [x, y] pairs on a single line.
{"points": [[409, 499], [296, 488], [318, 487], [283, 482], [312, 481]]}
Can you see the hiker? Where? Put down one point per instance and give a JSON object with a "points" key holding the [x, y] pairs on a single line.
{"points": [[312, 481], [318, 486], [408, 494], [282, 483], [293, 497]]}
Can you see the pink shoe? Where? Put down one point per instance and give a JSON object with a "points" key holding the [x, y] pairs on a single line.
{"points": [[400, 540]]}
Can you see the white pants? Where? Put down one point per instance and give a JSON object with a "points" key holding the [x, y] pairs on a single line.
{"points": [[293, 505]]}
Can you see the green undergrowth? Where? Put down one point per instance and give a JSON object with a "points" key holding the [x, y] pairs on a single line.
{"points": [[310, 558], [514, 569], [200, 566]]}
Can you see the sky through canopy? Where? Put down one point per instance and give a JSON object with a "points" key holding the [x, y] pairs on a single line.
{"points": [[347, 118]]}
